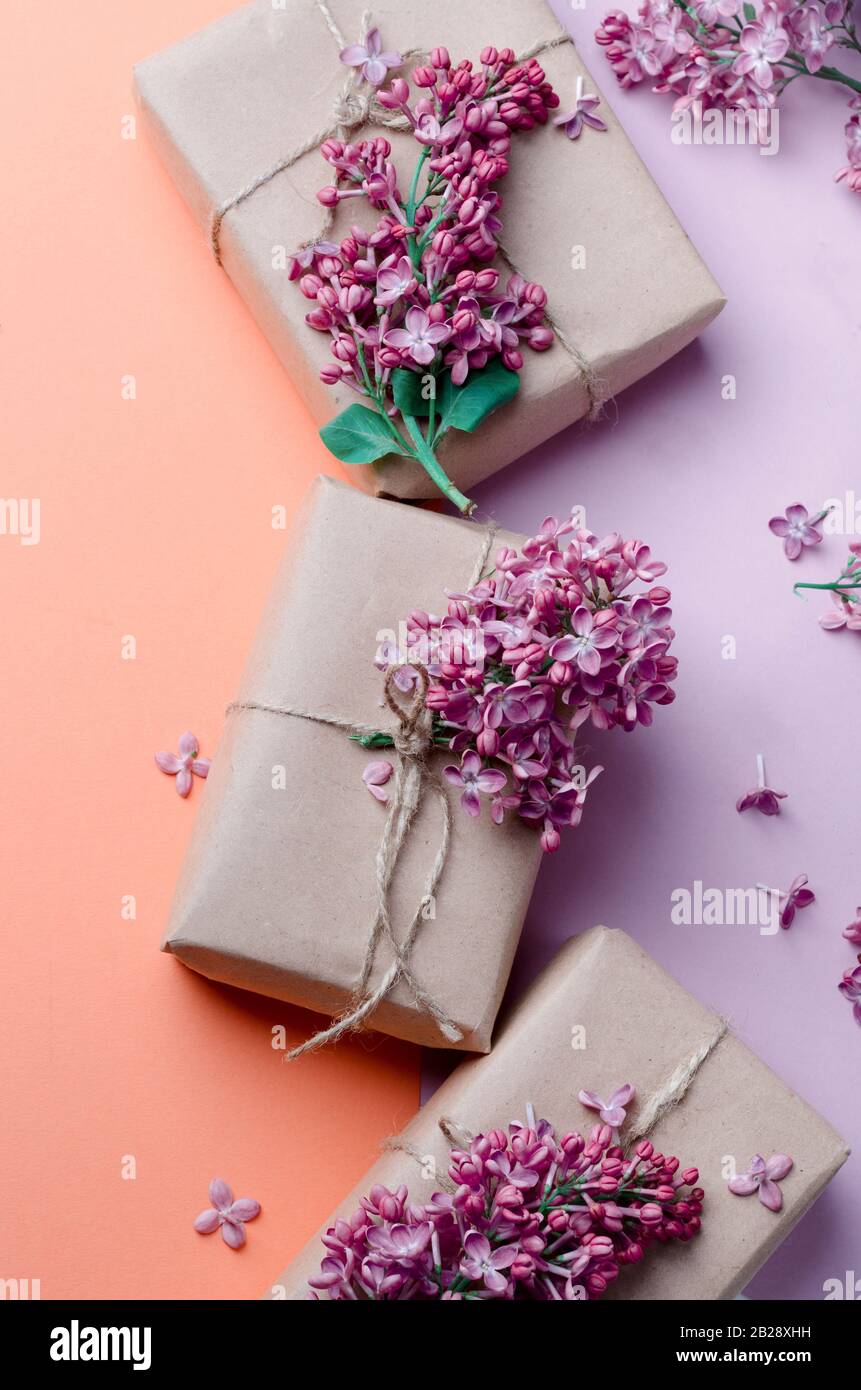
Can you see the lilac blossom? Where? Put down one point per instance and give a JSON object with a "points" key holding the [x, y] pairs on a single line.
{"points": [[529, 1216], [474, 779], [420, 338], [851, 171], [559, 635], [726, 55], [611, 1111], [853, 931], [417, 292], [846, 614], [185, 763], [850, 988], [796, 896], [762, 1177], [581, 114], [761, 797], [797, 529], [227, 1213], [369, 56]]}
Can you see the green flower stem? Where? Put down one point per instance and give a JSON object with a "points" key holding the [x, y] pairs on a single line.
{"points": [[838, 586], [415, 250], [428, 460]]}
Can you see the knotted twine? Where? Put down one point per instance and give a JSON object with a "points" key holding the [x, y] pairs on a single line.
{"points": [[354, 108], [668, 1095], [413, 741]]}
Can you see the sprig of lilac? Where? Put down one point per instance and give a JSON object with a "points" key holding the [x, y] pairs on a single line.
{"points": [[413, 308], [846, 592], [733, 55], [531, 1216], [556, 637]]}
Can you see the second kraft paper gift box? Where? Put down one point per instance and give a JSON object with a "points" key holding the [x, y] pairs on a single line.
{"points": [[278, 891], [583, 218], [603, 1014]]}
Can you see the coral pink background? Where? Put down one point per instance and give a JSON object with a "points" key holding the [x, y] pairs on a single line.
{"points": [[156, 523]]}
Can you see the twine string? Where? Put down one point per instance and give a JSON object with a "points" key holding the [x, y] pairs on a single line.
{"points": [[355, 108], [668, 1095], [412, 736]]}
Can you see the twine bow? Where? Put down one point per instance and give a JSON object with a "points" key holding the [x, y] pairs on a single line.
{"points": [[355, 108], [413, 741]]}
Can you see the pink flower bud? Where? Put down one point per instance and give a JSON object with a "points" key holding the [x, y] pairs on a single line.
{"points": [[487, 743], [424, 77], [651, 1214], [440, 58], [331, 373], [540, 338], [345, 349], [489, 56], [329, 197], [512, 359], [443, 244]]}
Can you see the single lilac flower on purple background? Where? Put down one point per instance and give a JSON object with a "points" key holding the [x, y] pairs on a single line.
{"points": [[370, 58], [474, 778], [611, 1111], [230, 1215], [848, 615], [850, 988], [375, 777], [763, 1177], [764, 798], [797, 895], [182, 765], [797, 529], [582, 113], [482, 1262], [853, 931]]}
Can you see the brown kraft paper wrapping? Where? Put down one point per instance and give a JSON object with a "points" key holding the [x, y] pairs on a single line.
{"points": [[226, 104], [639, 1025], [278, 893]]}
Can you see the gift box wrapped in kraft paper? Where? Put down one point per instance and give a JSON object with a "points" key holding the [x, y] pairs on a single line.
{"points": [[241, 98], [603, 1014], [280, 888]]}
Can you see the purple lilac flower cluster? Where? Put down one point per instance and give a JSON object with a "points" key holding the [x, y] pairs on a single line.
{"points": [[554, 637], [722, 53], [530, 1217], [417, 294], [850, 985]]}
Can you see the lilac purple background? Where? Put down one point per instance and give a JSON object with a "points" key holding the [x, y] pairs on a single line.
{"points": [[698, 477]]}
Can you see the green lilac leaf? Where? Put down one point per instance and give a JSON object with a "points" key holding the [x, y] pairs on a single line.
{"points": [[358, 435]]}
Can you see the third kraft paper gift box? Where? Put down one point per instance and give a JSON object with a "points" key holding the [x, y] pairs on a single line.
{"points": [[602, 1014], [279, 890], [584, 219]]}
